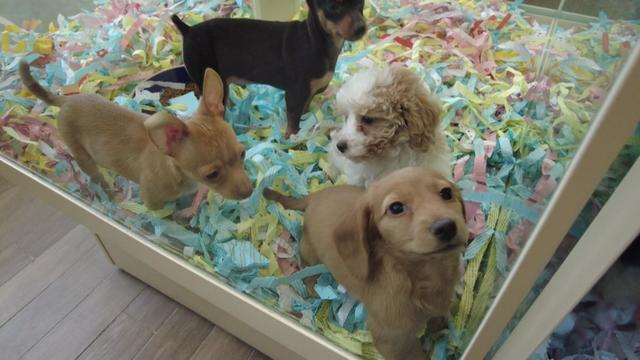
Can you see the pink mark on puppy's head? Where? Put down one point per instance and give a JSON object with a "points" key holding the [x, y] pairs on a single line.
{"points": [[174, 135]]}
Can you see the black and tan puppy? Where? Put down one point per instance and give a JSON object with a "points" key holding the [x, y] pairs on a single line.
{"points": [[296, 56]]}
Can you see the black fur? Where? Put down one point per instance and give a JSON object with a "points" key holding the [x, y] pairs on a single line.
{"points": [[286, 55]]}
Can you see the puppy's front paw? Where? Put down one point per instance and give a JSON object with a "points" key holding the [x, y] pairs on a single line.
{"points": [[292, 129], [117, 196], [436, 324], [154, 205], [110, 193]]}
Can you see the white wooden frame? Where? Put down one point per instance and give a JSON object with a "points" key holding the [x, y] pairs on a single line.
{"points": [[606, 136], [270, 332], [613, 229]]}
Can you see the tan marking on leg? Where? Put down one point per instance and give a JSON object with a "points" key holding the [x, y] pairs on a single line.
{"points": [[316, 85]]}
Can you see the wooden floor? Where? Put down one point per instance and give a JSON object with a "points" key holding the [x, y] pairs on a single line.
{"points": [[61, 299]]}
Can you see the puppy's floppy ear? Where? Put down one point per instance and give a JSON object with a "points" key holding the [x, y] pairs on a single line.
{"points": [[212, 94], [354, 240], [420, 109], [166, 132]]}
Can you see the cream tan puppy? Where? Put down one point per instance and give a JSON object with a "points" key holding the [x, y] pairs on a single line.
{"points": [[395, 247], [159, 152], [392, 122]]}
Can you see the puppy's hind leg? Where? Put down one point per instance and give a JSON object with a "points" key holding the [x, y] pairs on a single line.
{"points": [[308, 254], [297, 103], [309, 257]]}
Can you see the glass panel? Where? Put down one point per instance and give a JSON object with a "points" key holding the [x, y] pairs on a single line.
{"points": [[45, 11], [549, 4], [624, 9], [619, 9], [562, 344], [519, 87]]}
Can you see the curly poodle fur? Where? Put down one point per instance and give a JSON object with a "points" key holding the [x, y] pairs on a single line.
{"points": [[392, 121]]}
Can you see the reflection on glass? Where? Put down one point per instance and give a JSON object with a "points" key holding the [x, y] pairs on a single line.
{"points": [[618, 9], [580, 337], [549, 4], [605, 321]]}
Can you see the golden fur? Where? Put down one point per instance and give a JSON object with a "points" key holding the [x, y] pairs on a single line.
{"points": [[159, 152], [393, 263]]}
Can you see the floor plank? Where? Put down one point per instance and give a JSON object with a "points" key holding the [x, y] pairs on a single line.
{"points": [[178, 338], [61, 299], [257, 355], [12, 260], [5, 185], [10, 198], [121, 340], [132, 328], [31, 223], [31, 281], [83, 325], [33, 322], [151, 308], [219, 344]]}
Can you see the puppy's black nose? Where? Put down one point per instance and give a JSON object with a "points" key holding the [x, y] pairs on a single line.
{"points": [[342, 146], [444, 229]]}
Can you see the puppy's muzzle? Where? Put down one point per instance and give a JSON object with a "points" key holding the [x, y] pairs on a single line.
{"points": [[444, 230], [358, 31], [358, 27]]}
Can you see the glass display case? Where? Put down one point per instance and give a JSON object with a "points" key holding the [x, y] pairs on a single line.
{"points": [[538, 99]]}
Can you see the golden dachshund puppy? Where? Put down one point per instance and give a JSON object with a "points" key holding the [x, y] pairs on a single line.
{"points": [[395, 246]]}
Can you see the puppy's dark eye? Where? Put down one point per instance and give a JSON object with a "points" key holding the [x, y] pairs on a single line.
{"points": [[446, 193], [396, 208], [367, 120], [243, 154], [213, 175], [333, 7]]}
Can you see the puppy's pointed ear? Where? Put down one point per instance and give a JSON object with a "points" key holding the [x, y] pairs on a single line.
{"points": [[354, 240], [166, 132], [212, 94]]}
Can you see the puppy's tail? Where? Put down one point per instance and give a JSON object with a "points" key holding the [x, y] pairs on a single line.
{"points": [[182, 27], [287, 201], [35, 88]]}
